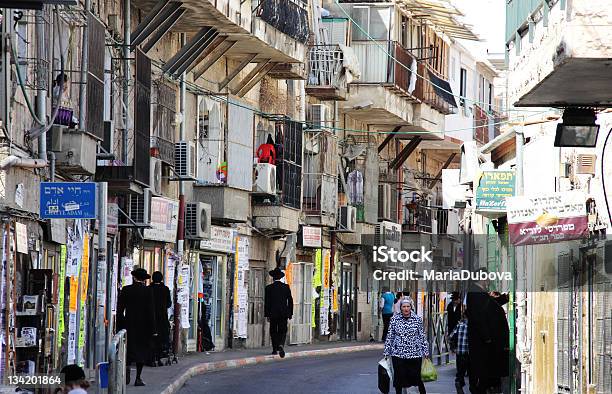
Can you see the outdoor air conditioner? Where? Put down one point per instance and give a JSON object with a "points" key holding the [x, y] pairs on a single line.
{"points": [[585, 164], [197, 220], [265, 178], [185, 159], [156, 176], [348, 219], [317, 117], [139, 209], [384, 201]]}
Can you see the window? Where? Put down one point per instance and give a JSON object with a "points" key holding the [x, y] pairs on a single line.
{"points": [[453, 69], [374, 20], [490, 98], [462, 86]]}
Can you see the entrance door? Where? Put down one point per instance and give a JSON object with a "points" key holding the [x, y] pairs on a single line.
{"points": [[208, 310], [348, 302], [301, 291], [255, 326]]}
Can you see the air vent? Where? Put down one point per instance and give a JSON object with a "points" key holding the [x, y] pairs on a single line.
{"points": [[140, 208], [197, 220], [585, 164], [185, 159]]}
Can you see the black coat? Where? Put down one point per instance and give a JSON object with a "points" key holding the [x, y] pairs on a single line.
{"points": [[278, 301], [135, 314], [488, 335], [161, 303], [453, 316]]}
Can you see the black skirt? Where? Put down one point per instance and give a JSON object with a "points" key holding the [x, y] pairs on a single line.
{"points": [[406, 371]]}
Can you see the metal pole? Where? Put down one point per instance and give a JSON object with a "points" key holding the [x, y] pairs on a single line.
{"points": [[127, 27], [6, 74], [84, 69], [100, 268], [41, 97], [181, 218]]}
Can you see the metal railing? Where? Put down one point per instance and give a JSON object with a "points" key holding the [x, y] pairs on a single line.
{"points": [[325, 67], [486, 124], [319, 179], [117, 359], [418, 219], [426, 92], [378, 67]]}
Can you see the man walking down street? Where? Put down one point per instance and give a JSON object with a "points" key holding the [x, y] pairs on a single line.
{"points": [[488, 339], [386, 302], [460, 336], [278, 305], [135, 314]]}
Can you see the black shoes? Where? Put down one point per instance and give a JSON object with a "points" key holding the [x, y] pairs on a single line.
{"points": [[459, 388], [274, 353], [281, 351], [127, 376], [139, 382]]}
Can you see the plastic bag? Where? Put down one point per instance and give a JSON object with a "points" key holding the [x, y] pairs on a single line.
{"points": [[428, 371], [385, 375]]}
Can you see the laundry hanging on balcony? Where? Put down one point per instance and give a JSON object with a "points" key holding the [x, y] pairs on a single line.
{"points": [[350, 64], [442, 89]]}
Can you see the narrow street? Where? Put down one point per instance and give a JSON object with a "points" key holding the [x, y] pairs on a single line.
{"points": [[354, 373]]}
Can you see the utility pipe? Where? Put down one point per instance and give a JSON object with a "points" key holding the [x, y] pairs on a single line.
{"points": [[52, 165], [41, 97], [127, 27], [16, 161]]}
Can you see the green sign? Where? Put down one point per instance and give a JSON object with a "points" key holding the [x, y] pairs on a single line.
{"points": [[492, 190]]}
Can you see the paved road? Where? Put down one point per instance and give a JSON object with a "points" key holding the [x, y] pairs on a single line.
{"points": [[354, 373]]}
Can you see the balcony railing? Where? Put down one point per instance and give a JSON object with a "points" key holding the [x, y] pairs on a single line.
{"points": [[486, 125], [418, 219], [430, 91], [325, 71], [377, 67], [320, 180], [288, 16]]}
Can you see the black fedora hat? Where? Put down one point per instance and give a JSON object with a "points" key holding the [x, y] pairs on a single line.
{"points": [[141, 274], [276, 273]]}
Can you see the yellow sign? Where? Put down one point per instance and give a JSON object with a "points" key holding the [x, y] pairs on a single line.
{"points": [[85, 269], [335, 301], [74, 289], [326, 268], [289, 273]]}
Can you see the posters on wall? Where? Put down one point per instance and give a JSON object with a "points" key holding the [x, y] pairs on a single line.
{"points": [[126, 274], [547, 218], [241, 287], [72, 339], [62, 282], [21, 237], [183, 294], [325, 289]]}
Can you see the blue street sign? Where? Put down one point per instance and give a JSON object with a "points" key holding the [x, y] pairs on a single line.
{"points": [[68, 200]]}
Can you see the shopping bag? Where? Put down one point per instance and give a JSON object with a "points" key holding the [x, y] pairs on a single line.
{"points": [[385, 375], [428, 371]]}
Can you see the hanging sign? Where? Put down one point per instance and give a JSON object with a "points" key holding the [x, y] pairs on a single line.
{"points": [[547, 218], [164, 220], [241, 287], [492, 190], [221, 240], [21, 237], [68, 200], [311, 237]]}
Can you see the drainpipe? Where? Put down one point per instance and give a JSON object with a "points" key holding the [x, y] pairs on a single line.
{"points": [[52, 165], [127, 31], [16, 161], [181, 215], [84, 69], [41, 97]]}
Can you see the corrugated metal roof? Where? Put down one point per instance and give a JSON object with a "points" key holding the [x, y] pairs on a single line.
{"points": [[441, 15]]}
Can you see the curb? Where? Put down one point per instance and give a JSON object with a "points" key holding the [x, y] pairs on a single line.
{"points": [[212, 366]]}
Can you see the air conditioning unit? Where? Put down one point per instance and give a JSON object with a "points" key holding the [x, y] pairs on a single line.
{"points": [[585, 164], [139, 209], [317, 117], [156, 176], [384, 201], [185, 159], [348, 219], [197, 220], [265, 179]]}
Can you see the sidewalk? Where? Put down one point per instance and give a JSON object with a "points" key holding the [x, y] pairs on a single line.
{"points": [[167, 380]]}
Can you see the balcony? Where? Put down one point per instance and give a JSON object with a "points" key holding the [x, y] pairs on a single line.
{"points": [[269, 34], [418, 219], [327, 79], [320, 180], [435, 91], [486, 125]]}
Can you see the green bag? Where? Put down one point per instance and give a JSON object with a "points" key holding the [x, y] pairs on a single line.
{"points": [[428, 371]]}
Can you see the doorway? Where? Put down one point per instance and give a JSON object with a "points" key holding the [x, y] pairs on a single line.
{"points": [[301, 290], [255, 323], [348, 302]]}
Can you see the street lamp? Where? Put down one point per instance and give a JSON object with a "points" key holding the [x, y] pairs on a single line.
{"points": [[578, 129]]}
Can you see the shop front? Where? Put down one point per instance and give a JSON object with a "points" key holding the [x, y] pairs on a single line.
{"points": [[210, 262]]}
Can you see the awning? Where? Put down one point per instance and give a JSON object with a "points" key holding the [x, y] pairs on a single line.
{"points": [[442, 89], [440, 14]]}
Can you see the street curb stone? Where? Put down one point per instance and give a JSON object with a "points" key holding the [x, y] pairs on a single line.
{"points": [[203, 368]]}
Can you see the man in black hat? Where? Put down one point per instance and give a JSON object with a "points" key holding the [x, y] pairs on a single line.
{"points": [[278, 309], [135, 314]]}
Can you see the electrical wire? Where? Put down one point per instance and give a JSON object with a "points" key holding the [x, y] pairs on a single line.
{"points": [[200, 90]]}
